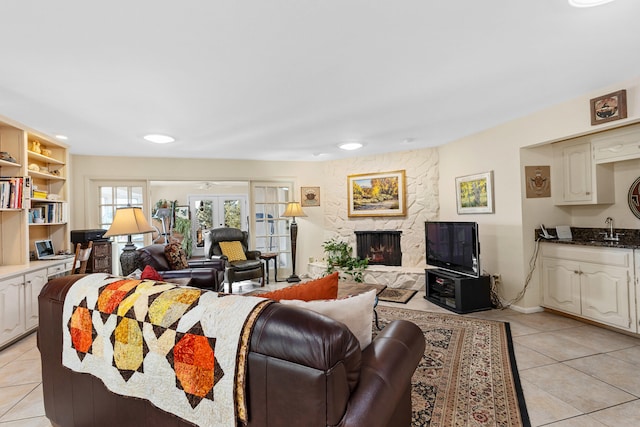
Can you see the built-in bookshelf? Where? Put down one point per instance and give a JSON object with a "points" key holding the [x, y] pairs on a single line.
{"points": [[33, 192]]}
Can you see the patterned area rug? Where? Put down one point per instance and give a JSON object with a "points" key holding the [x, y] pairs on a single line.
{"points": [[468, 375], [396, 295]]}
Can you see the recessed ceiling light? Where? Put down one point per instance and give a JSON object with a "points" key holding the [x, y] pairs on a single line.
{"points": [[588, 3], [352, 145], [62, 137], [159, 139]]}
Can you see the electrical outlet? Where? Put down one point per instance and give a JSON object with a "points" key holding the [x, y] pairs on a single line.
{"points": [[497, 278]]}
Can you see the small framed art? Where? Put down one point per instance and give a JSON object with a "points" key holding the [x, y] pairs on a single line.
{"points": [[310, 196], [609, 107]]}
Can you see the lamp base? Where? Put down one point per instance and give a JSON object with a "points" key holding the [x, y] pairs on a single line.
{"points": [[293, 279], [128, 259]]}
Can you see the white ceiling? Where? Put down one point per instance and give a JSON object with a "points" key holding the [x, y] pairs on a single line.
{"points": [[289, 80]]}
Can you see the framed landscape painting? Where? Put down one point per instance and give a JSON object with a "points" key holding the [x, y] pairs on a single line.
{"points": [[377, 194], [474, 193]]}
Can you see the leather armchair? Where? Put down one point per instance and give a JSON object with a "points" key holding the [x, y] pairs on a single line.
{"points": [[207, 274], [236, 271]]}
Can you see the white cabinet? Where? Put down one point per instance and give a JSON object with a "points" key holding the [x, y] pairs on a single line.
{"points": [[19, 297], [594, 283], [617, 145], [576, 179], [12, 322], [561, 285], [33, 284]]}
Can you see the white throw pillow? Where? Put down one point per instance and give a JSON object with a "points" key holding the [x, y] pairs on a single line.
{"points": [[355, 312]]}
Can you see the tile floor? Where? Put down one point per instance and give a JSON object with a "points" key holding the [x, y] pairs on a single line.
{"points": [[572, 374]]}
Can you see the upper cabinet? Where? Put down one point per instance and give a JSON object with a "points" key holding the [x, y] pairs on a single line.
{"points": [[33, 177], [576, 178], [617, 145]]}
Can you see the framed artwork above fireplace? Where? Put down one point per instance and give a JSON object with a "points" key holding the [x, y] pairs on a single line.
{"points": [[377, 194]]}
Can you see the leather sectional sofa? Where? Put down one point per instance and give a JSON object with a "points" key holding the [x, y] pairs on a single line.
{"points": [[304, 369]]}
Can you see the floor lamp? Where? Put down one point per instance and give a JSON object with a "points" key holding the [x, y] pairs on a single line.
{"points": [[293, 210], [126, 222]]}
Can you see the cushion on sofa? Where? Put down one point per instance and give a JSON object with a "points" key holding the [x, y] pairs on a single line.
{"points": [[322, 288], [175, 256], [355, 312], [233, 251], [150, 273]]}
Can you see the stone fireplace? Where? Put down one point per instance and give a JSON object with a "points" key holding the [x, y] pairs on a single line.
{"points": [[382, 247]]}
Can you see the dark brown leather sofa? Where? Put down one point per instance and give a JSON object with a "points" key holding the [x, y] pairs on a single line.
{"points": [[304, 369], [206, 274]]}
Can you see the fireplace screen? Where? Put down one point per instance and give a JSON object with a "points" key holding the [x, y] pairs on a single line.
{"points": [[381, 247]]}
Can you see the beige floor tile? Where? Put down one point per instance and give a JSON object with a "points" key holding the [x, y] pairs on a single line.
{"points": [[629, 355], [527, 358], [625, 415], [545, 321], [32, 354], [554, 346], [28, 422], [597, 338], [17, 349], [519, 329], [577, 389], [610, 370], [543, 407], [31, 406], [580, 421], [21, 372], [10, 396]]}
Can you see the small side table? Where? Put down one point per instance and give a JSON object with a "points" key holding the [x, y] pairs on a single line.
{"points": [[267, 256]]}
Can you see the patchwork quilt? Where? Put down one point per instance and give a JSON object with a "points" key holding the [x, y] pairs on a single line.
{"points": [[183, 349]]}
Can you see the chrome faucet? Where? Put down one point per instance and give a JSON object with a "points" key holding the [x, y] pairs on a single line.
{"points": [[611, 236]]}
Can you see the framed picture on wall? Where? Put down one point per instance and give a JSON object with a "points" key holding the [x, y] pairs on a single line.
{"points": [[310, 196], [474, 193], [609, 107], [377, 194], [182, 212]]}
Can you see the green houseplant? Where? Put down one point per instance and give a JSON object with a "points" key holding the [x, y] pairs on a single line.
{"points": [[183, 226], [338, 255]]}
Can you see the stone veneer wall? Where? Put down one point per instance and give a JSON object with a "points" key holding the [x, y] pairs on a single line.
{"points": [[421, 169]]}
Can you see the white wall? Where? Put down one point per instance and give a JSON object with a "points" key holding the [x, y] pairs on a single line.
{"points": [[507, 235]]}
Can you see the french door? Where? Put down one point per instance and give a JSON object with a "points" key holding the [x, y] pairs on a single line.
{"points": [[214, 211], [271, 229]]}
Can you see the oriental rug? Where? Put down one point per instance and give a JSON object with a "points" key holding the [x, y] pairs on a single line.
{"points": [[468, 375]]}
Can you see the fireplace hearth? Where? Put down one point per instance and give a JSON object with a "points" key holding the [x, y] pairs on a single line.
{"points": [[382, 247]]}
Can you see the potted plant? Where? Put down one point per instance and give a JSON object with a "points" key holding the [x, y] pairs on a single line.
{"points": [[338, 255], [183, 227]]}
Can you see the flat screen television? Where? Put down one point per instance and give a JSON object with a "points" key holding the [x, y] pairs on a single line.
{"points": [[453, 246]]}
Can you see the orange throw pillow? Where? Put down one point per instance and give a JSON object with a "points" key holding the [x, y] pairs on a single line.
{"points": [[322, 288]]}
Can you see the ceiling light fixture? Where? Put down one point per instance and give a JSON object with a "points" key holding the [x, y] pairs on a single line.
{"points": [[588, 3], [61, 137], [349, 146], [159, 139]]}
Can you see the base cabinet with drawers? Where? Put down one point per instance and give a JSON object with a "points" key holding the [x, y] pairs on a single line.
{"points": [[19, 297], [594, 283], [100, 257]]}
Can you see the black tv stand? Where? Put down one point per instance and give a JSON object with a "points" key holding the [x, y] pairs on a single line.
{"points": [[458, 293]]}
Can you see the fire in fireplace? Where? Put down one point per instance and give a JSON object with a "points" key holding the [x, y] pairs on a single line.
{"points": [[382, 247]]}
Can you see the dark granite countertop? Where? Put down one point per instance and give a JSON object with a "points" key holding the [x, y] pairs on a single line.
{"points": [[629, 238]]}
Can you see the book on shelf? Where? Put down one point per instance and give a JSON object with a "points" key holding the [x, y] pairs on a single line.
{"points": [[48, 213], [12, 192]]}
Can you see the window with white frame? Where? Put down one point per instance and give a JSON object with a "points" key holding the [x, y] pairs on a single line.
{"points": [[271, 230]]}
